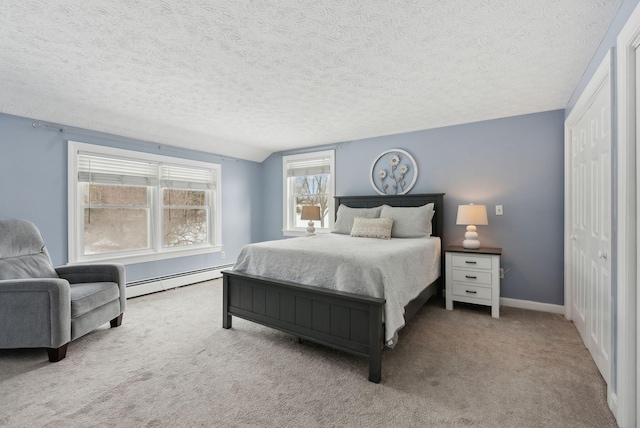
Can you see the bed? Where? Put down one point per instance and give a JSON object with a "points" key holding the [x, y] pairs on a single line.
{"points": [[346, 320]]}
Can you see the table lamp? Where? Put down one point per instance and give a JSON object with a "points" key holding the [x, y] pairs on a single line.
{"points": [[310, 213], [472, 215]]}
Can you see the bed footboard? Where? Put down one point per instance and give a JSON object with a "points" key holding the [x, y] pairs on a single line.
{"points": [[343, 321]]}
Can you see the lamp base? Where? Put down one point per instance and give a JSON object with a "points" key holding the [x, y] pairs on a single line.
{"points": [[471, 238], [311, 231], [471, 244]]}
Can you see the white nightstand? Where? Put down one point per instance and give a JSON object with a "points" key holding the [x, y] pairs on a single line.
{"points": [[473, 276]]}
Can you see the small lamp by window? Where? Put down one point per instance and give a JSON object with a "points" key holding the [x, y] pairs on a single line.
{"points": [[310, 213], [472, 215]]}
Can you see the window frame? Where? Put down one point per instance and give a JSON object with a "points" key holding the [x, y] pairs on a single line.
{"points": [[157, 251], [287, 228]]}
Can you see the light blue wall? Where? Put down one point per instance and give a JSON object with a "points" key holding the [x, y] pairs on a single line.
{"points": [[516, 162], [33, 185]]}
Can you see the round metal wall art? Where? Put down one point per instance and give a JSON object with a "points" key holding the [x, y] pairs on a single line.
{"points": [[394, 172]]}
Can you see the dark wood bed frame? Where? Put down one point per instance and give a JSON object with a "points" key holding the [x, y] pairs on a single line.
{"points": [[344, 321]]}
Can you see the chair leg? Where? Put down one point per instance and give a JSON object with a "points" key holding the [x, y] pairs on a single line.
{"points": [[57, 354], [117, 321]]}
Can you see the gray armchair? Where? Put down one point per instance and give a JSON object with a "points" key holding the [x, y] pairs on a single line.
{"points": [[46, 307]]}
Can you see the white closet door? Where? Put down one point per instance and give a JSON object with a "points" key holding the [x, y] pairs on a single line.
{"points": [[600, 230], [590, 219], [579, 226]]}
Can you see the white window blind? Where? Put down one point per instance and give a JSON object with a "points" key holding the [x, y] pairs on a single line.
{"points": [[304, 167], [114, 170], [181, 177]]}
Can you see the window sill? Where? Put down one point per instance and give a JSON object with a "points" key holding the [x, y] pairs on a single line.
{"points": [[303, 232], [143, 258]]}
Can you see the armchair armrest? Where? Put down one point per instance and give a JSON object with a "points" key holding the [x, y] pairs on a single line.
{"points": [[92, 273], [35, 313], [96, 273]]}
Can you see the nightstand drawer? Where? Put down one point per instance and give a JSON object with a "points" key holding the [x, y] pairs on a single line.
{"points": [[471, 276], [471, 291], [471, 261]]}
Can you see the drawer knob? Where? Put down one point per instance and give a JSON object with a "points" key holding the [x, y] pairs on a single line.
{"points": [[471, 277], [471, 291]]}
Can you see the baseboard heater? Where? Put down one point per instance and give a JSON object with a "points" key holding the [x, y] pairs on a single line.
{"points": [[167, 282]]}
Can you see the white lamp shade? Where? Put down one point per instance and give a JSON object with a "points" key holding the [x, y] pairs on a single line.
{"points": [[310, 213], [472, 214]]}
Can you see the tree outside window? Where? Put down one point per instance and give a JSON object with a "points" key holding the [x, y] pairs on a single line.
{"points": [[312, 190]]}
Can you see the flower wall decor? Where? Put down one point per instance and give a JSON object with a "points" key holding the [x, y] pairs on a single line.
{"points": [[394, 172]]}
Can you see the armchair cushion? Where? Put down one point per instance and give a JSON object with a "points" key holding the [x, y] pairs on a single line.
{"points": [[85, 297], [96, 273]]}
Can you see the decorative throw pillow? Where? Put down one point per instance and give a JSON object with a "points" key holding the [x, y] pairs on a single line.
{"points": [[344, 222], [372, 227], [410, 222]]}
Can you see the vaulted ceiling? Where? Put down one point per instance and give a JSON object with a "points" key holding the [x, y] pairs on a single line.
{"points": [[246, 78]]}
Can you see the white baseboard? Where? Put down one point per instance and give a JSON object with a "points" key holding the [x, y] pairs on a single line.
{"points": [[534, 306], [612, 400], [169, 283]]}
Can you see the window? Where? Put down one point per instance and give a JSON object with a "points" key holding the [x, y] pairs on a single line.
{"points": [[185, 207], [308, 180], [135, 207]]}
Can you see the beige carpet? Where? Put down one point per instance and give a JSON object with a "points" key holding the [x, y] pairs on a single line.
{"points": [[172, 364]]}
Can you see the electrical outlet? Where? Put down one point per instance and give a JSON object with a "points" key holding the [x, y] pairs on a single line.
{"points": [[501, 273], [222, 254], [498, 209]]}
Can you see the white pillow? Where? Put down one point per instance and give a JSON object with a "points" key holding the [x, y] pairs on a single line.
{"points": [[410, 222], [372, 227], [346, 214]]}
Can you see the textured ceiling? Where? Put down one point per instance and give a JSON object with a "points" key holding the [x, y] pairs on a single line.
{"points": [[246, 78]]}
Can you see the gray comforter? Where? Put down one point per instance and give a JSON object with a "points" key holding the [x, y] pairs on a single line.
{"points": [[396, 269]]}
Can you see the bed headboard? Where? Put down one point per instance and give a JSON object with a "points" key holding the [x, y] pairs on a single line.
{"points": [[400, 201]]}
